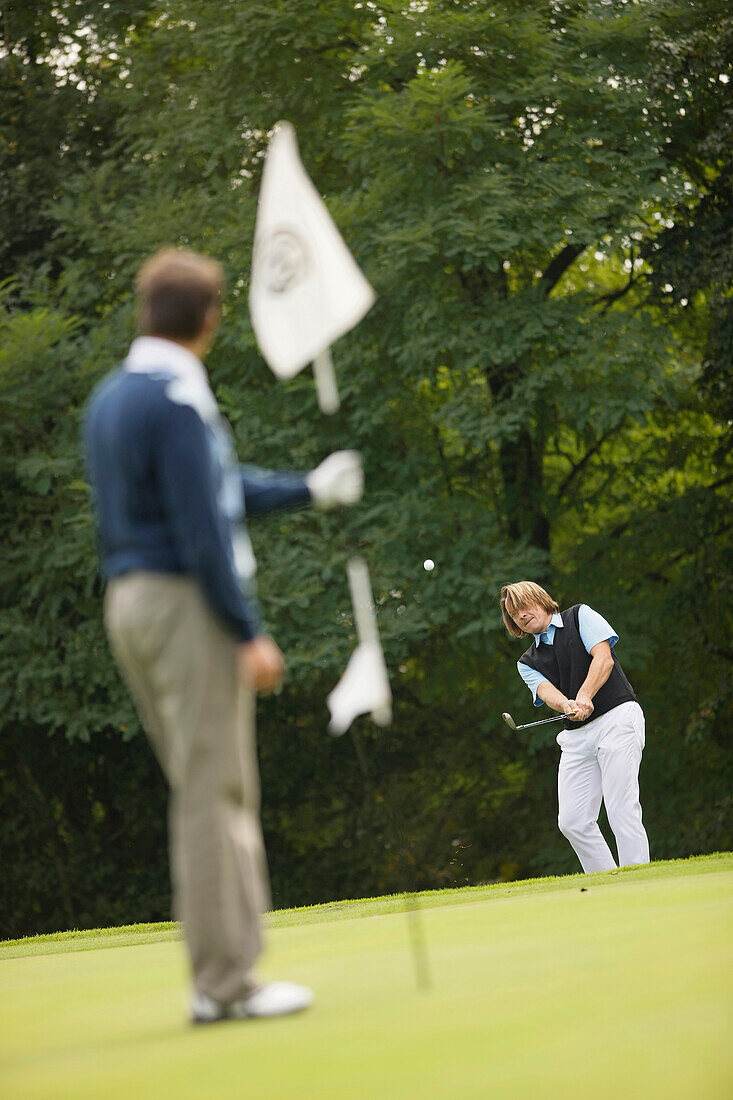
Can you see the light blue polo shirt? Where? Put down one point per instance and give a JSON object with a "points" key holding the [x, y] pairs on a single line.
{"points": [[593, 629]]}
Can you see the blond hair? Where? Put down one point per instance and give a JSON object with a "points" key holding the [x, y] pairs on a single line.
{"points": [[177, 289], [523, 594]]}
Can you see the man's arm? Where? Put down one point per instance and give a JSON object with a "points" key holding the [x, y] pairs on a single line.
{"points": [[598, 637], [269, 491], [554, 698], [533, 679], [543, 691], [203, 544], [199, 532], [338, 480], [581, 706], [599, 671]]}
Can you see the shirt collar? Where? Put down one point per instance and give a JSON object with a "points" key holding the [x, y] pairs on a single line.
{"points": [[150, 353], [556, 620]]}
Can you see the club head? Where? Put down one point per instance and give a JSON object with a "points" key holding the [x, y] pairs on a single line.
{"points": [[509, 721]]}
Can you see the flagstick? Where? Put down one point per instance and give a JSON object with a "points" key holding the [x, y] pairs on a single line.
{"points": [[418, 942], [326, 389], [366, 631], [361, 600], [366, 621]]}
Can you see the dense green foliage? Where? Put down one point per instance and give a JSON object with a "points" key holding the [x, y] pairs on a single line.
{"points": [[540, 193]]}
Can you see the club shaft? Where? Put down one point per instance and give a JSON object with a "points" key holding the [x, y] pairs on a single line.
{"points": [[543, 721]]}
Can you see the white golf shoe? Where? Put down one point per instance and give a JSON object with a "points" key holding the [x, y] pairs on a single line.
{"points": [[271, 999]]}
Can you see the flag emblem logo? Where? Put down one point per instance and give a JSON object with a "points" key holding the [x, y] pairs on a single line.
{"points": [[282, 260]]}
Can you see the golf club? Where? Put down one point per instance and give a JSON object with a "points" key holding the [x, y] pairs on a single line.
{"points": [[527, 725]]}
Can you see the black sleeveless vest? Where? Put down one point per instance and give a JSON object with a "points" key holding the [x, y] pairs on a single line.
{"points": [[565, 664]]}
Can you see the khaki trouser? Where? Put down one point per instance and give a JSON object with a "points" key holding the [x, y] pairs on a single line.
{"points": [[180, 665]]}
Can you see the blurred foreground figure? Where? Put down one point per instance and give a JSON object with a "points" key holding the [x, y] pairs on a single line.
{"points": [[572, 668], [182, 618]]}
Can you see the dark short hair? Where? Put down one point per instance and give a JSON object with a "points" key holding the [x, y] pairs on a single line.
{"points": [[177, 288]]}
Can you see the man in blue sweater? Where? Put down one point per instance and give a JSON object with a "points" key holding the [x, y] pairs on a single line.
{"points": [[182, 616]]}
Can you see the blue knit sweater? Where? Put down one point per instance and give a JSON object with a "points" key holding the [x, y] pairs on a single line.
{"points": [[168, 494]]}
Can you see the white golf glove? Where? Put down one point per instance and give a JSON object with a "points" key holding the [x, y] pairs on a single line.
{"points": [[338, 480]]}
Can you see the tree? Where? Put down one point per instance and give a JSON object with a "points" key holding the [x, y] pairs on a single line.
{"points": [[525, 405]]}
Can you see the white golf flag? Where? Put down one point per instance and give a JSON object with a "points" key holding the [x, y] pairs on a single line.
{"points": [[364, 687], [307, 289]]}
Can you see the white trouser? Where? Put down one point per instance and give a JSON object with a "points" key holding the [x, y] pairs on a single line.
{"points": [[600, 760]]}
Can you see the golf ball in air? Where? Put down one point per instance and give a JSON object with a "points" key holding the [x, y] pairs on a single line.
{"points": [[428, 564]]}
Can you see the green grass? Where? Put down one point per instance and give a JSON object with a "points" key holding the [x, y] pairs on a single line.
{"points": [[539, 990]]}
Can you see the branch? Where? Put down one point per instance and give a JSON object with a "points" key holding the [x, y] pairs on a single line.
{"points": [[557, 267], [663, 507], [562, 454], [578, 466], [310, 51], [723, 654], [614, 295], [655, 575]]}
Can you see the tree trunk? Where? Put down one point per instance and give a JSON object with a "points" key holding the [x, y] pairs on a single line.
{"points": [[520, 461]]}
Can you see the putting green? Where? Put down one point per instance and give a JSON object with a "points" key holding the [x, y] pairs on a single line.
{"points": [[609, 985]]}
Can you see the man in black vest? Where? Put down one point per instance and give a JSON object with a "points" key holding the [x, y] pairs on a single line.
{"points": [[571, 666]]}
